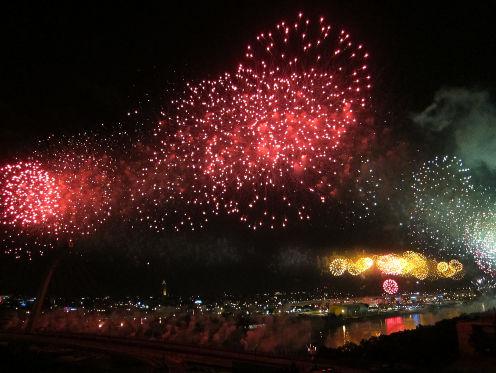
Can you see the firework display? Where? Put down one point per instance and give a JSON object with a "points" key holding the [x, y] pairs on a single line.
{"points": [[445, 200], [418, 265], [29, 195], [284, 137], [390, 286], [63, 193], [392, 264], [85, 173], [285, 131], [360, 265], [481, 238], [451, 214], [408, 264], [338, 266]]}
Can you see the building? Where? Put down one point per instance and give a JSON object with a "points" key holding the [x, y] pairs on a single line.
{"points": [[348, 309]]}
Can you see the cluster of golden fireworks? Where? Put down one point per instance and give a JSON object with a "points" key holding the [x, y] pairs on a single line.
{"points": [[408, 264], [449, 269]]}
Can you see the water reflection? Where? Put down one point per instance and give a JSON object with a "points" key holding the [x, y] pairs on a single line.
{"points": [[355, 332]]}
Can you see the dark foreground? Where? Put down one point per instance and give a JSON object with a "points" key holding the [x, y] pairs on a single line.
{"points": [[464, 344], [32, 358]]}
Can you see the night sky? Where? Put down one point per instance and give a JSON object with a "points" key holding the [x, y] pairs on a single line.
{"points": [[70, 69]]}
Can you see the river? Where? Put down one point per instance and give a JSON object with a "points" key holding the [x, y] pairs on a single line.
{"points": [[356, 331]]}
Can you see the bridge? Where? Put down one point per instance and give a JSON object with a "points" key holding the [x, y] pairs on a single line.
{"points": [[173, 357]]}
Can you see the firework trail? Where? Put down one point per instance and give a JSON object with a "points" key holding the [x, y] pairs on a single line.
{"points": [[285, 131]]}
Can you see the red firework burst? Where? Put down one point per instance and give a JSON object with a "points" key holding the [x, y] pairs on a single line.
{"points": [[64, 193], [280, 134], [29, 195], [390, 286]]}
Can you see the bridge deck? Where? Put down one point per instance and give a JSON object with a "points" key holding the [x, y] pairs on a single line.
{"points": [[158, 353]]}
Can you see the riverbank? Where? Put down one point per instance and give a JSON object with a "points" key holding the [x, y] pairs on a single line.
{"points": [[425, 348]]}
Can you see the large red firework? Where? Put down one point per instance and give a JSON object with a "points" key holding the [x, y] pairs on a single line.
{"points": [[61, 194], [281, 133]]}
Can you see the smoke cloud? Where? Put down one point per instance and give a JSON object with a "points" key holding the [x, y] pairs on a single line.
{"points": [[467, 119], [269, 334]]}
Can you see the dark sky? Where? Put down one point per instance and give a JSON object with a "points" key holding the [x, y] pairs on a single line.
{"points": [[70, 68]]}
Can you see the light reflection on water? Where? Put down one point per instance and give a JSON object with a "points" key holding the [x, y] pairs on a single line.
{"points": [[355, 332]]}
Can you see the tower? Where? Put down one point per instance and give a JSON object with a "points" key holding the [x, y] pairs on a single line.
{"points": [[164, 288]]}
